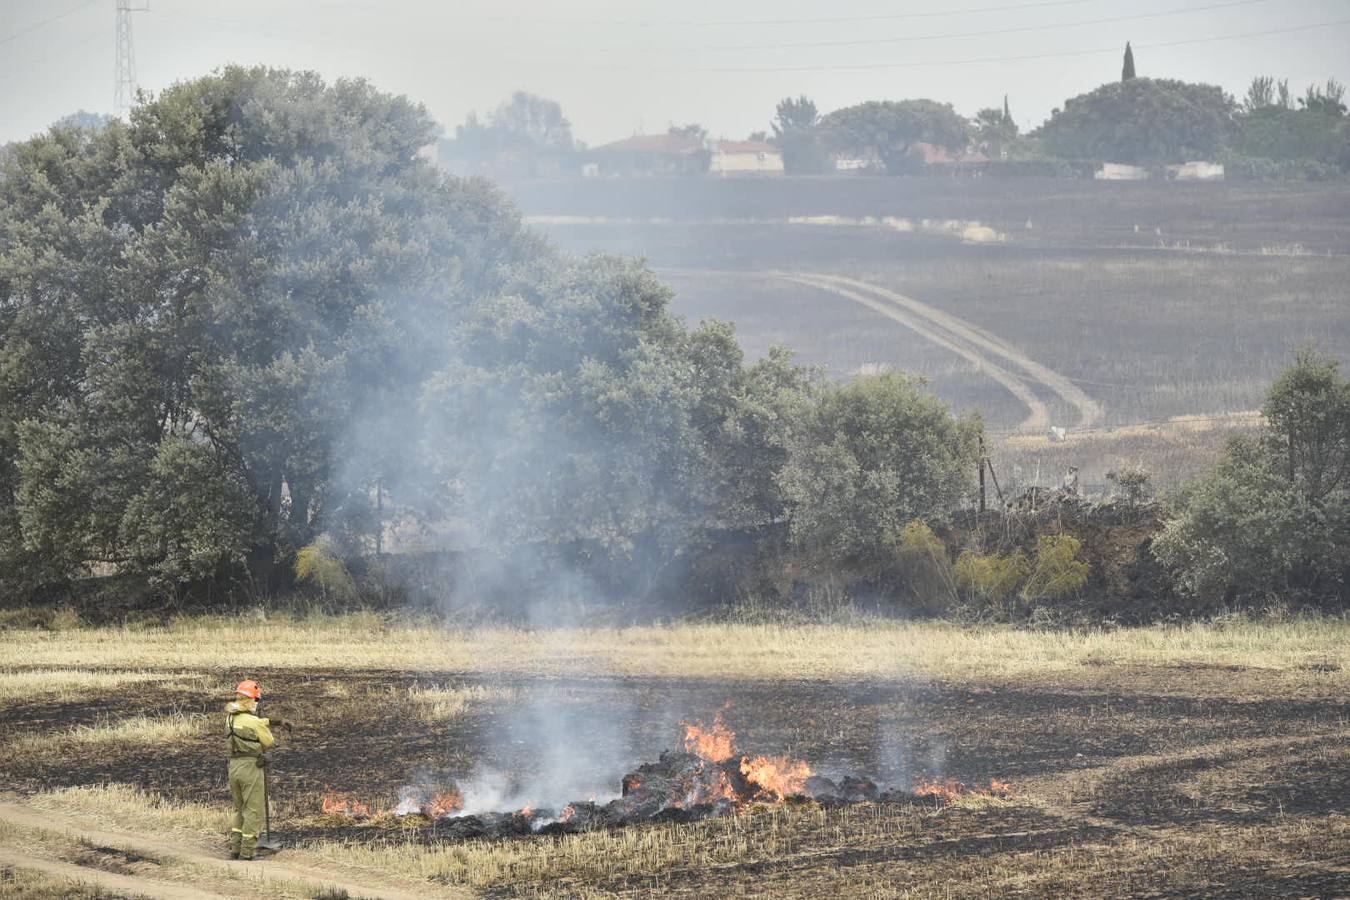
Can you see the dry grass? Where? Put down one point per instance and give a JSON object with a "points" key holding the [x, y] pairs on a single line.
{"points": [[867, 650], [130, 733], [438, 705], [127, 806], [65, 685]]}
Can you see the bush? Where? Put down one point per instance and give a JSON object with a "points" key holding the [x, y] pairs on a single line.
{"points": [[316, 564], [992, 579], [926, 568], [1058, 573]]}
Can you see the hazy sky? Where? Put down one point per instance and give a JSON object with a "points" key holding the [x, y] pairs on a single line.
{"points": [[623, 66]]}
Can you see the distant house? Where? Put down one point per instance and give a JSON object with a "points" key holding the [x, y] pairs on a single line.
{"points": [[1120, 172], [1197, 170], [652, 154], [856, 164], [745, 158], [933, 155]]}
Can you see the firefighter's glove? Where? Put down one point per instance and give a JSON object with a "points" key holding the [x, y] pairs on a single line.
{"points": [[262, 762], [278, 722]]}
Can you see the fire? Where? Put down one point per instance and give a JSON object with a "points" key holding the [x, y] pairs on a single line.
{"points": [[527, 812], [951, 789], [715, 744], [337, 803], [444, 803], [776, 776], [568, 812]]}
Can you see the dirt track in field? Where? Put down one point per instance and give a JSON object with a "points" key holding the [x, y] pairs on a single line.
{"points": [[967, 341], [288, 867]]}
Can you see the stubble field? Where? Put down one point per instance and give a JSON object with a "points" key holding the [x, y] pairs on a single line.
{"points": [[1164, 761], [1155, 301]]}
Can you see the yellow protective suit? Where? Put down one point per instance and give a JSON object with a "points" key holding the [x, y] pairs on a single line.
{"points": [[249, 736]]}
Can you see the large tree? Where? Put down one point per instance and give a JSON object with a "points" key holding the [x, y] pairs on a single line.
{"points": [[524, 136], [1143, 121], [885, 130], [796, 131], [197, 307]]}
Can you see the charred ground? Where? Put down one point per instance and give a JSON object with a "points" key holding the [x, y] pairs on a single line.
{"points": [[1126, 778]]}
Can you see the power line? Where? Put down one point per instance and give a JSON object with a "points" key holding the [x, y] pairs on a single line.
{"points": [[36, 25], [824, 20], [1020, 58], [987, 32]]}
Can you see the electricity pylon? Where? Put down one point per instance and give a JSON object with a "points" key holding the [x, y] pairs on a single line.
{"points": [[124, 75]]}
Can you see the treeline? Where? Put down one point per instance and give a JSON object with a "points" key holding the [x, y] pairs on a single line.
{"points": [[253, 321], [251, 335], [1269, 133]]}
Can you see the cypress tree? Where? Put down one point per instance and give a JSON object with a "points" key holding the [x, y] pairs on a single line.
{"points": [[1007, 116], [1127, 72]]}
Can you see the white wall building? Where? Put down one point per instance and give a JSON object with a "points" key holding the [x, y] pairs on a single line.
{"points": [[1197, 170], [745, 158], [1120, 172]]}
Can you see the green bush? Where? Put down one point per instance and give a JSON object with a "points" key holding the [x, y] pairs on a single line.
{"points": [[926, 568], [992, 579], [316, 564], [1057, 573]]}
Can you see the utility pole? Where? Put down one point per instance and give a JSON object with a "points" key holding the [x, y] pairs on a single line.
{"points": [[124, 73]]}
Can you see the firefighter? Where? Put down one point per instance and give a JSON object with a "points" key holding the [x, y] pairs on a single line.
{"points": [[250, 737]]}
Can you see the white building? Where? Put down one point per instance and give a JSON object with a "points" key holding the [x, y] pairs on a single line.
{"points": [[745, 158], [1197, 170], [1120, 172]]}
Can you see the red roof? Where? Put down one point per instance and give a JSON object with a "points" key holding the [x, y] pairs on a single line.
{"points": [[653, 143], [745, 147]]}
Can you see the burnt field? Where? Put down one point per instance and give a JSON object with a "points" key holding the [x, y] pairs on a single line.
{"points": [[1157, 762], [1154, 301]]}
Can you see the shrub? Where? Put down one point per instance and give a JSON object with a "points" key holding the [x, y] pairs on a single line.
{"points": [[317, 565], [1058, 572], [993, 578], [926, 567], [1132, 482]]}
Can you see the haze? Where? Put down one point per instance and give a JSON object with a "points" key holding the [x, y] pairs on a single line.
{"points": [[621, 67]]}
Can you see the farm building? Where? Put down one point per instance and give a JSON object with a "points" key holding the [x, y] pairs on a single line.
{"points": [[745, 158], [1198, 170], [1120, 172], [933, 155], [652, 154]]}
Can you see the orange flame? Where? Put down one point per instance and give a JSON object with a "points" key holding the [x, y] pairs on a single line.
{"points": [[776, 776], [715, 744], [337, 803], [444, 803], [527, 812], [951, 789]]}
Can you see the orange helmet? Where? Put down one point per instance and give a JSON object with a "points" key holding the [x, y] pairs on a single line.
{"points": [[249, 689]]}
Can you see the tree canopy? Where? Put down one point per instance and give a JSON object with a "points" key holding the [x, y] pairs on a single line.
{"points": [[1142, 121], [521, 137], [885, 130]]}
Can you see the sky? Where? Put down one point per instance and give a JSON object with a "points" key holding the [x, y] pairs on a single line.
{"points": [[621, 67]]}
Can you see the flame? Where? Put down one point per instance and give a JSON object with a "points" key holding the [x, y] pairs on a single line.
{"points": [[527, 812], [776, 776], [951, 789], [568, 812], [444, 803], [715, 744], [338, 803]]}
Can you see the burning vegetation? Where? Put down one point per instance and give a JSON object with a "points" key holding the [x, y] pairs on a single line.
{"points": [[709, 777]]}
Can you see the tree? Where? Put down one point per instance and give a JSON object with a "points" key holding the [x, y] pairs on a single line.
{"points": [[1326, 100], [521, 137], [1127, 69], [870, 457], [205, 311], [1143, 121], [1272, 519], [886, 130], [693, 132], [796, 131], [994, 130]]}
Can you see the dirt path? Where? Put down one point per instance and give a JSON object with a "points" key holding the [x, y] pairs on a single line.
{"points": [[1038, 418], [108, 881], [289, 866], [975, 344]]}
